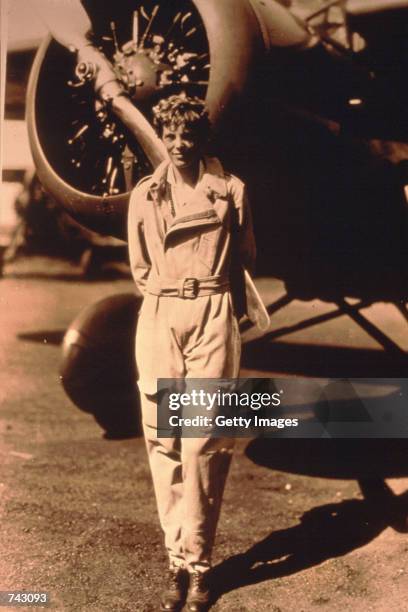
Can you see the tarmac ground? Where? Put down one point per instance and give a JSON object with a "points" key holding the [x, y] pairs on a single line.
{"points": [[78, 512]]}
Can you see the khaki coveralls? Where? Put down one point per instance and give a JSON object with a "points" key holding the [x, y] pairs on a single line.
{"points": [[180, 258]]}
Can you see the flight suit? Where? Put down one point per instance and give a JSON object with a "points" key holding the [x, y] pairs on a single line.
{"points": [[181, 259]]}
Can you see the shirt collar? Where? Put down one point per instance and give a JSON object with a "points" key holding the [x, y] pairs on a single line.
{"points": [[174, 181], [212, 180]]}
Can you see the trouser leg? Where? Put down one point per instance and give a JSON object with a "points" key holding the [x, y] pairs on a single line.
{"points": [[205, 465], [214, 352], [189, 477], [166, 468]]}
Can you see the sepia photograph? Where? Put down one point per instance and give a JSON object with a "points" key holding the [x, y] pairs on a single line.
{"points": [[204, 305]]}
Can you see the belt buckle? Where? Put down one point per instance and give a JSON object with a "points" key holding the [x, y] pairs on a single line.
{"points": [[190, 287]]}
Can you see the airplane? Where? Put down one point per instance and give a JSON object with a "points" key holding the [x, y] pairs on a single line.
{"points": [[307, 106]]}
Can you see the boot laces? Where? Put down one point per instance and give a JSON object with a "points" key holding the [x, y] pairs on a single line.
{"points": [[198, 581]]}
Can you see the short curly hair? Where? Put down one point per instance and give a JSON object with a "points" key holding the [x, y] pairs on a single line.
{"points": [[183, 110]]}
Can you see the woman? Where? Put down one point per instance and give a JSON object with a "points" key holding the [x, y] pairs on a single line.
{"points": [[189, 228]]}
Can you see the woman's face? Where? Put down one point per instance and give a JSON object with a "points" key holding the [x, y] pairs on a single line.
{"points": [[183, 145]]}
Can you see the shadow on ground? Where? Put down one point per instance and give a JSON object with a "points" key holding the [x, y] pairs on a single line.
{"points": [[324, 532], [332, 458]]}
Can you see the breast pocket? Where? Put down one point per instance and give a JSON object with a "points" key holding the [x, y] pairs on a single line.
{"points": [[208, 246]]}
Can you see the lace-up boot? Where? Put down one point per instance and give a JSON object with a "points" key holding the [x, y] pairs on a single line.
{"points": [[198, 597], [173, 597]]}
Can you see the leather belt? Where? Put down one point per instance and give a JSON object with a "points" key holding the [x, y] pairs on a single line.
{"points": [[187, 288]]}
